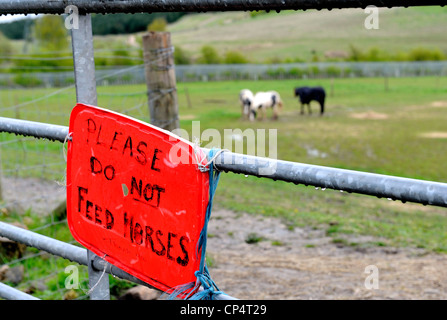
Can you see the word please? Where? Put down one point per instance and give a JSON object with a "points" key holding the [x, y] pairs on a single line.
{"points": [[124, 144]]}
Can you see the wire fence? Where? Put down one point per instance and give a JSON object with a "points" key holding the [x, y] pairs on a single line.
{"points": [[33, 176], [28, 77]]}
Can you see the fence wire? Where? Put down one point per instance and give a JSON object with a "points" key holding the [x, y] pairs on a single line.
{"points": [[33, 173]]}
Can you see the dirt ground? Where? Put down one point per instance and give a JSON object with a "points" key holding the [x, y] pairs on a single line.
{"points": [[305, 264], [280, 263]]}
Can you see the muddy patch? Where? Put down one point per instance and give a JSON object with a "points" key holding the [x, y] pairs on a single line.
{"points": [[370, 115], [188, 117], [439, 104], [434, 135], [304, 263]]}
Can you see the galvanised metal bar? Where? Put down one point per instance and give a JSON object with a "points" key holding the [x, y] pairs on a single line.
{"points": [[33, 129], [83, 61], [64, 250], [84, 71], [382, 186], [9, 293], [41, 242], [148, 6]]}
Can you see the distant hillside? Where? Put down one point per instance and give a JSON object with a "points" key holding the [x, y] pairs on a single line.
{"points": [[311, 34], [288, 36]]}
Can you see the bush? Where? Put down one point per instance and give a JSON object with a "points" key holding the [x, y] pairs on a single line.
{"points": [[39, 60], [121, 57], [355, 54], [254, 14], [209, 55], [424, 54], [159, 24], [333, 71], [376, 54], [275, 73], [27, 81], [313, 71], [234, 57], [296, 72], [181, 57]]}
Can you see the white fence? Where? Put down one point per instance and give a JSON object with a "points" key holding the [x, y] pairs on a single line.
{"points": [[219, 72]]}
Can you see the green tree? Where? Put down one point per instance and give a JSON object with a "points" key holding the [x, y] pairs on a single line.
{"points": [[209, 55], [50, 33], [121, 57]]}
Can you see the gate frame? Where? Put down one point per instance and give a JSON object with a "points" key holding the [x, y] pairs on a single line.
{"points": [[84, 68]]}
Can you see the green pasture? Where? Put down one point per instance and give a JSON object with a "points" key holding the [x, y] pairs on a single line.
{"points": [[396, 128]]}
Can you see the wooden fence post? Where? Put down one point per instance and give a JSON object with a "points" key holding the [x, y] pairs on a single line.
{"points": [[160, 80]]}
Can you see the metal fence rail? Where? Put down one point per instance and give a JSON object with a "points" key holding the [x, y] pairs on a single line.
{"points": [[382, 186], [66, 251], [9, 293], [135, 6]]}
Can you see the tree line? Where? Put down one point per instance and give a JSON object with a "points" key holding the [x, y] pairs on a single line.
{"points": [[119, 23]]}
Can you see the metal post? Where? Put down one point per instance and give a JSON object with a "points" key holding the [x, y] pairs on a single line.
{"points": [[84, 71], [84, 62]]}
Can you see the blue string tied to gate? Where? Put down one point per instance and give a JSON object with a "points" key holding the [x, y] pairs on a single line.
{"points": [[204, 288]]}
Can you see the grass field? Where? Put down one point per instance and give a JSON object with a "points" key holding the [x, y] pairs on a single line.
{"points": [[400, 131], [366, 128]]}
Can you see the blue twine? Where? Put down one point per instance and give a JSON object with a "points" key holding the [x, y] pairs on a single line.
{"points": [[210, 289]]}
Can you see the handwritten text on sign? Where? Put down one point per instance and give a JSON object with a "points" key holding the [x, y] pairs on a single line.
{"points": [[129, 201]]}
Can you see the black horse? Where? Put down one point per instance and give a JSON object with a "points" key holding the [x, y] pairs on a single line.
{"points": [[308, 94]]}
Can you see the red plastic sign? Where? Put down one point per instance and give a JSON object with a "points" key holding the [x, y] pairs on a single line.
{"points": [[135, 195]]}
